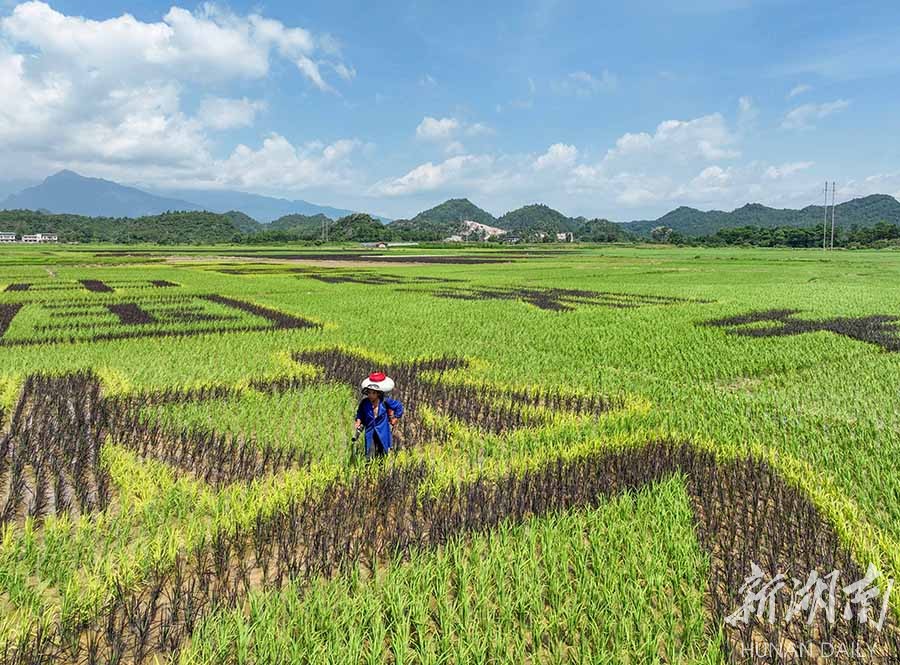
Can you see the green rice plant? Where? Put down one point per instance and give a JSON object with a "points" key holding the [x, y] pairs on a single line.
{"points": [[467, 591], [818, 407]]}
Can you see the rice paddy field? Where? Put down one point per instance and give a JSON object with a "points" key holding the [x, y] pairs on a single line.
{"points": [[601, 445]]}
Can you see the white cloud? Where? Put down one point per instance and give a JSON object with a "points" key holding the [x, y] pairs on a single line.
{"points": [[747, 114], [106, 95], [799, 90], [221, 113], [454, 148], [558, 155], [637, 194], [478, 129], [436, 129], [711, 181], [428, 81], [345, 72], [685, 162], [430, 176], [279, 165], [310, 69], [805, 116], [329, 44], [758, 182], [681, 162], [585, 84], [447, 130], [679, 158], [116, 45], [208, 43], [879, 183], [706, 138], [785, 170]]}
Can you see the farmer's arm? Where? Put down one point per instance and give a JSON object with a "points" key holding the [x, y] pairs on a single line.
{"points": [[359, 416], [395, 408]]}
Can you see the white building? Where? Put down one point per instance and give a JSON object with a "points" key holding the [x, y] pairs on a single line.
{"points": [[39, 237], [568, 236], [7, 237]]}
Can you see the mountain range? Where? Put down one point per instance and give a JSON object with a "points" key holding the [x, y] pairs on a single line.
{"points": [[450, 219], [69, 193], [863, 212], [263, 209]]}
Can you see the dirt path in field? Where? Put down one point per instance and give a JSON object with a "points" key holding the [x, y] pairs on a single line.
{"points": [[312, 262]]}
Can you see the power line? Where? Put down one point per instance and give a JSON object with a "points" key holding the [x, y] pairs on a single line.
{"points": [[833, 208]]}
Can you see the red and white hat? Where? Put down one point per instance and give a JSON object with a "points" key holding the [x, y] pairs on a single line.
{"points": [[378, 381]]}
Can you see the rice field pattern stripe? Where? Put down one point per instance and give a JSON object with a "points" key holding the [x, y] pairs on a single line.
{"points": [[743, 511]]}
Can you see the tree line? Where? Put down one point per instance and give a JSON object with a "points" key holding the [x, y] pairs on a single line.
{"points": [[880, 235]]}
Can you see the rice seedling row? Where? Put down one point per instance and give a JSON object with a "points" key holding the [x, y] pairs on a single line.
{"points": [[743, 510], [214, 499], [878, 329], [135, 318]]}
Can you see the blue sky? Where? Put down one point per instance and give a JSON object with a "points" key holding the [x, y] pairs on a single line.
{"points": [[617, 110]]}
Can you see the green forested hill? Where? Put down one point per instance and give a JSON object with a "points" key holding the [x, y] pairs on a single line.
{"points": [[167, 228], [455, 211], [302, 224], [441, 221], [536, 217], [531, 219], [359, 227], [864, 212], [600, 230], [528, 223], [243, 223]]}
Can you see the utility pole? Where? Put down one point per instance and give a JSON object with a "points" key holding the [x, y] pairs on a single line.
{"points": [[833, 206], [825, 223]]}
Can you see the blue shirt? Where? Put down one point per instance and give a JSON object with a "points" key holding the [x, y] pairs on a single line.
{"points": [[379, 424]]}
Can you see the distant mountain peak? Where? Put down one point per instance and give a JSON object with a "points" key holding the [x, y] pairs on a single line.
{"points": [[70, 192], [536, 217], [65, 173], [455, 211]]}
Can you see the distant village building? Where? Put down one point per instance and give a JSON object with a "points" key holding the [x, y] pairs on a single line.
{"points": [[567, 236], [7, 237], [39, 237], [472, 230], [381, 244]]}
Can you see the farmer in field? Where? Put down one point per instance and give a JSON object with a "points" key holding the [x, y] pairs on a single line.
{"points": [[377, 413]]}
